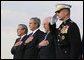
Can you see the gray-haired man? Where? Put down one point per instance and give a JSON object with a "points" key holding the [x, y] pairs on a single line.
{"points": [[17, 49]]}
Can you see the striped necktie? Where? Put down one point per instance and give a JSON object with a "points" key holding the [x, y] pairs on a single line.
{"points": [[46, 36], [31, 34]]}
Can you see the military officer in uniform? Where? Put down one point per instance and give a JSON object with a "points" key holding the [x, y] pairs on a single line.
{"points": [[67, 36]]}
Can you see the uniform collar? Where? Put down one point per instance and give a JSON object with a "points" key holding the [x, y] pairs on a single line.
{"points": [[64, 22]]}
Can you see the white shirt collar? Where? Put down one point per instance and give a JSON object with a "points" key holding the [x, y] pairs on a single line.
{"points": [[47, 32], [46, 35], [22, 36], [34, 31]]}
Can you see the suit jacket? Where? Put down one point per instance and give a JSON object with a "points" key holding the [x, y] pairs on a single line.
{"points": [[19, 50], [68, 41], [31, 49], [48, 52]]}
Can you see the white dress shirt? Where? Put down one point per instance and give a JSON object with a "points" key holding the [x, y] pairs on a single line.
{"points": [[22, 37], [34, 31]]}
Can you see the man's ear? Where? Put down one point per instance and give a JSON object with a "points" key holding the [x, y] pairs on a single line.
{"points": [[67, 12], [24, 30]]}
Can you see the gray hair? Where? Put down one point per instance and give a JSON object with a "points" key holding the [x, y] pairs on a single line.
{"points": [[24, 27], [36, 21]]}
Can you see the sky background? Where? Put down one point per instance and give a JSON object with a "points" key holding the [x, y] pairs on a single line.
{"points": [[19, 12]]}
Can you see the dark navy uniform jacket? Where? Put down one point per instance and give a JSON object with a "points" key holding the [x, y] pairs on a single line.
{"points": [[67, 39]]}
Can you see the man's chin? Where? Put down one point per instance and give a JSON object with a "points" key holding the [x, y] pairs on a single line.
{"points": [[61, 19], [31, 29]]}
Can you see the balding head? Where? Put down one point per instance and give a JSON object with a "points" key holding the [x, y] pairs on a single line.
{"points": [[46, 23], [46, 19]]}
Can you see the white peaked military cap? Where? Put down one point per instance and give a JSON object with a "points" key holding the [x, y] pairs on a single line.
{"points": [[62, 6]]}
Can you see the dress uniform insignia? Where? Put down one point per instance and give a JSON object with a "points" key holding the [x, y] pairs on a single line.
{"points": [[64, 29], [63, 37]]}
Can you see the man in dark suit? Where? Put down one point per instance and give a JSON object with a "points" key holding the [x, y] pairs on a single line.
{"points": [[18, 50], [67, 36], [47, 45], [31, 44]]}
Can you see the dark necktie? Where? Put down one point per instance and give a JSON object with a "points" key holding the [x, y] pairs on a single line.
{"points": [[31, 34], [18, 39]]}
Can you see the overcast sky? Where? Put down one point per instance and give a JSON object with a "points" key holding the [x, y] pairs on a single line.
{"points": [[19, 12]]}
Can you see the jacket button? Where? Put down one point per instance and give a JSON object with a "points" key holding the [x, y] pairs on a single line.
{"points": [[58, 40], [58, 45]]}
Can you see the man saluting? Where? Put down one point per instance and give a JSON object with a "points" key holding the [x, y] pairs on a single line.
{"points": [[67, 36]]}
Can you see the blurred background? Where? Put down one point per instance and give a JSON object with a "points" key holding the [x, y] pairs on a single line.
{"points": [[19, 12]]}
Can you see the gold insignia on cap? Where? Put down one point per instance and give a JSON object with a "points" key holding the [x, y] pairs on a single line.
{"points": [[60, 7]]}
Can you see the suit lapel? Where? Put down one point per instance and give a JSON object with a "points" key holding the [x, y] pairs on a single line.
{"points": [[24, 38], [36, 33]]}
